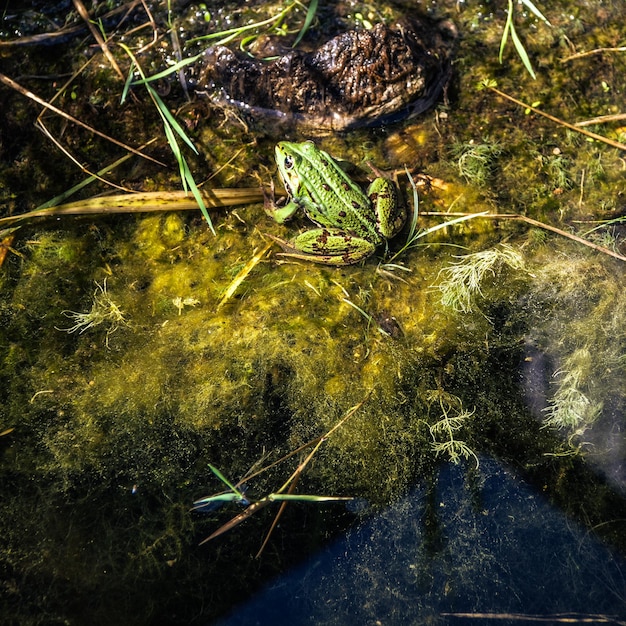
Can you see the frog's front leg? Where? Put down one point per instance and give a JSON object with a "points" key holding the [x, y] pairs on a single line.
{"points": [[281, 214], [330, 246]]}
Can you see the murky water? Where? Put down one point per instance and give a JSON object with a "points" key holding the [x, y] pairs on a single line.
{"points": [[467, 394]]}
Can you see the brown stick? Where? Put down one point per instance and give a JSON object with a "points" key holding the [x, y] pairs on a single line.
{"points": [[556, 120], [532, 222], [82, 11]]}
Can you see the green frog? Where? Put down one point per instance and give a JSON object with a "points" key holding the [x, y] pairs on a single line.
{"points": [[352, 224]]}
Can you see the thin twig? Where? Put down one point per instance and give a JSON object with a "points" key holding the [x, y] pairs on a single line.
{"points": [[65, 86], [253, 508], [556, 120], [155, 30], [66, 31], [603, 119], [281, 509], [225, 165], [567, 618], [39, 123], [308, 444], [532, 222], [72, 158], [82, 11], [580, 55]]}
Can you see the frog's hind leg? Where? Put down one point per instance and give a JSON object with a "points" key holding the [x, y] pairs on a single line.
{"points": [[388, 206], [330, 246]]}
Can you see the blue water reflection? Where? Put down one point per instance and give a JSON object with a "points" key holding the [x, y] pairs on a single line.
{"points": [[472, 544]]}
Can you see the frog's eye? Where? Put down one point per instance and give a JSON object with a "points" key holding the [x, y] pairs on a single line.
{"points": [[288, 162]]}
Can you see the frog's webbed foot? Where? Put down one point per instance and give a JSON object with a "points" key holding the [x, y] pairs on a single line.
{"points": [[329, 246], [279, 213]]}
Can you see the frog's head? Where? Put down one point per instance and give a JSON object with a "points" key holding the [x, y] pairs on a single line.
{"points": [[287, 159]]}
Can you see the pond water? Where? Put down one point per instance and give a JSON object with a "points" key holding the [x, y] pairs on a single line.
{"points": [[433, 435], [460, 554]]}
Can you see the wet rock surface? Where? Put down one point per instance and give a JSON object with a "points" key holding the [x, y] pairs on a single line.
{"points": [[358, 78]]}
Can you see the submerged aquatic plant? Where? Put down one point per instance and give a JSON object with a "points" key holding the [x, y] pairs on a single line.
{"points": [[103, 311], [571, 409], [476, 160], [557, 168], [462, 280], [609, 232], [452, 419]]}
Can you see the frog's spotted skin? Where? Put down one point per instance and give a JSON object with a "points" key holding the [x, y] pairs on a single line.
{"points": [[328, 246], [352, 224]]}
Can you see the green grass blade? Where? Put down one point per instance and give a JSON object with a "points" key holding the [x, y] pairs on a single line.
{"points": [[170, 70], [178, 155], [528, 4], [225, 480], [310, 16], [169, 118], [505, 32], [87, 181], [127, 84], [456, 220], [519, 46], [171, 126], [222, 497], [197, 195], [185, 173], [232, 33], [415, 213], [305, 498], [604, 224], [365, 314]]}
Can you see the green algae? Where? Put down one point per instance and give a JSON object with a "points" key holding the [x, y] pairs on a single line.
{"points": [[113, 431]]}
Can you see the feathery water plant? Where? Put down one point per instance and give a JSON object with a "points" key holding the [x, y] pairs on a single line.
{"points": [[475, 161], [570, 408], [461, 282], [103, 311], [453, 418]]}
